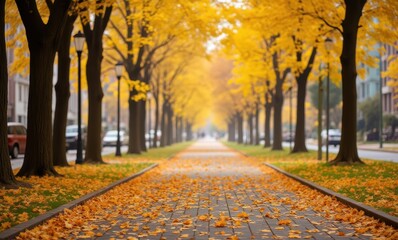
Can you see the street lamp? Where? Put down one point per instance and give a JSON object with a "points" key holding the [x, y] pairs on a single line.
{"points": [[381, 99], [79, 43], [149, 97], [328, 47], [119, 71]]}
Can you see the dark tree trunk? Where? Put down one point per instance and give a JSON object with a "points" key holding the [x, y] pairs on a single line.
{"points": [[239, 119], [189, 131], [134, 121], [348, 152], [170, 129], [43, 40], [257, 124], [163, 137], [62, 92], [277, 100], [267, 125], [251, 133], [278, 104], [7, 178], [233, 129], [142, 125], [93, 74], [176, 136], [267, 122], [299, 137], [156, 127]]}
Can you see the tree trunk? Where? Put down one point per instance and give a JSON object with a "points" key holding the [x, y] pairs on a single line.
{"points": [[251, 135], [170, 129], [7, 178], [189, 131], [348, 152], [239, 118], [267, 125], [163, 126], [95, 95], [257, 125], [278, 105], [277, 100], [142, 127], [134, 121], [38, 155], [302, 79], [299, 137], [233, 129], [176, 136], [93, 74], [156, 127], [43, 40], [62, 91]]}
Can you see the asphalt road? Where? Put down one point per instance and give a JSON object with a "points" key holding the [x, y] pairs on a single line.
{"points": [[366, 154], [71, 156]]}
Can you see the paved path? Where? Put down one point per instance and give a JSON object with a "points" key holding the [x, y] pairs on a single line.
{"points": [[210, 192]]}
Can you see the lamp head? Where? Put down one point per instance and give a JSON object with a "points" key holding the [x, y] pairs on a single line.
{"points": [[79, 41]]}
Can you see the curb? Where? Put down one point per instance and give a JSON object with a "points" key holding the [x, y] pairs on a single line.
{"points": [[11, 233], [369, 211]]}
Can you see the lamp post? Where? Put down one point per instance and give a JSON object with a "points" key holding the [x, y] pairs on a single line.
{"points": [[119, 71], [149, 97], [79, 43], [328, 47], [381, 99], [320, 106]]}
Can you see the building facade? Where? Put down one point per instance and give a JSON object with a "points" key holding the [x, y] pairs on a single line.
{"points": [[390, 95]]}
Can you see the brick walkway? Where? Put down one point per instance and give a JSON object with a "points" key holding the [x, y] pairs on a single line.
{"points": [[206, 192]]}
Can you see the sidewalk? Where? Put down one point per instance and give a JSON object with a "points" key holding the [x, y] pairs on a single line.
{"points": [[211, 192], [387, 147]]}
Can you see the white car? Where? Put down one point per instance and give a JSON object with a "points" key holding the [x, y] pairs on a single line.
{"points": [[334, 137], [110, 138]]}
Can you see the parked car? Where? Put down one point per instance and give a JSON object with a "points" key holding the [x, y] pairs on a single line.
{"points": [[110, 138], [71, 134], [16, 136], [334, 137]]}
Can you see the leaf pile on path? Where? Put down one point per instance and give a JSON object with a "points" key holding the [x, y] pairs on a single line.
{"points": [[20, 205], [189, 203]]}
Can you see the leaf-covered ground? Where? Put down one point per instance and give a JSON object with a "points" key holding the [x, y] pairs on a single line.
{"points": [[375, 183], [19, 205], [209, 192]]}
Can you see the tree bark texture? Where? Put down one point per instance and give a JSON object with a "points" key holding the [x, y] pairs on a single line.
{"points": [[163, 125], [267, 123], [170, 129], [251, 133], [43, 40], [188, 126], [93, 73], [277, 100], [348, 152], [7, 178], [302, 79], [134, 121], [156, 127], [142, 125], [62, 93]]}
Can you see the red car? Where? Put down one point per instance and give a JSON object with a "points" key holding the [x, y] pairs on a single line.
{"points": [[16, 138]]}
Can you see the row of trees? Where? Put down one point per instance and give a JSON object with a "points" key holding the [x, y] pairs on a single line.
{"points": [[279, 45], [157, 49]]}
